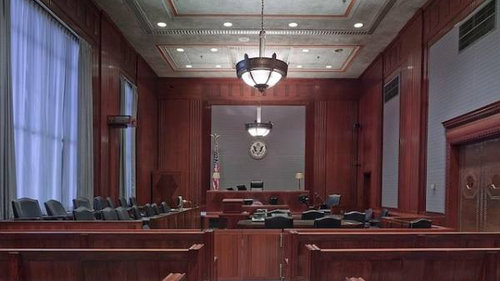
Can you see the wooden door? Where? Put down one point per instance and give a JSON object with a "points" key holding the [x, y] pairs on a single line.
{"points": [[491, 185], [479, 183]]}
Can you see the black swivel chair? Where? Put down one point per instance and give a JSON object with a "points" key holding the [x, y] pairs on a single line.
{"points": [[155, 208], [109, 214], [81, 202], [55, 209], [355, 216], [421, 223], [149, 210], [123, 202], [111, 204], [312, 215], [278, 222], [257, 185], [241, 187], [378, 220], [83, 214], [164, 207], [133, 201], [136, 213], [333, 200], [100, 203], [26, 208], [327, 222], [122, 213]]}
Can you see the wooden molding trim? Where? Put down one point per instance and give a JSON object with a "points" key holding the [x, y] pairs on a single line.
{"points": [[472, 116]]}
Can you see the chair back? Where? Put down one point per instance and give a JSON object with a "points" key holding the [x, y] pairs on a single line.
{"points": [[81, 202], [55, 208], [327, 222], [149, 210], [421, 223], [156, 210], [109, 214], [136, 213], [278, 222], [123, 202], [333, 200], [100, 203], [355, 216], [368, 214], [164, 207], [110, 201], [384, 213], [122, 213], [26, 208], [83, 214], [257, 185], [312, 215], [133, 201]]}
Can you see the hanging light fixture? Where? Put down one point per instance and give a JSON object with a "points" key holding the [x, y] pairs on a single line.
{"points": [[261, 72], [259, 129]]}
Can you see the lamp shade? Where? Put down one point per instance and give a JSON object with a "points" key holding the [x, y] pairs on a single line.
{"points": [[216, 175], [261, 72], [299, 176]]}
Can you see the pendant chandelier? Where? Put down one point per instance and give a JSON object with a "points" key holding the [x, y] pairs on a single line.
{"points": [[259, 129], [261, 72]]}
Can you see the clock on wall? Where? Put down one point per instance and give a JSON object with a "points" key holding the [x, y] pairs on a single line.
{"points": [[258, 149]]}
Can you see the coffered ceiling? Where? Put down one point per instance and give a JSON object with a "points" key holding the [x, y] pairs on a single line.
{"points": [[196, 41]]}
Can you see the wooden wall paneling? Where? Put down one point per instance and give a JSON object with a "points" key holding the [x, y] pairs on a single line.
{"points": [[147, 131], [410, 187], [320, 135], [370, 137], [340, 170], [310, 143], [206, 139], [195, 187]]}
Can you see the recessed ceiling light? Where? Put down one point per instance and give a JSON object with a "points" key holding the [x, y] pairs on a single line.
{"points": [[293, 24], [305, 50], [244, 39], [228, 24], [180, 50], [189, 66], [328, 66], [299, 66], [161, 24], [218, 66], [213, 50], [359, 25]]}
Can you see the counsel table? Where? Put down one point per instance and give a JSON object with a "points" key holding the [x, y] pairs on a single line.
{"points": [[297, 224]]}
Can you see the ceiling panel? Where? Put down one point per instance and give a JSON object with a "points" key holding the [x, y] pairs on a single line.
{"points": [[324, 27], [282, 8]]}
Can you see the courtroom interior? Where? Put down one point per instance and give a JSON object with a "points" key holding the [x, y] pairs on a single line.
{"points": [[257, 140]]}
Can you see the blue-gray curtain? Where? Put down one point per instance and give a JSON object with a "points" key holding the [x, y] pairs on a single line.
{"points": [[7, 154]]}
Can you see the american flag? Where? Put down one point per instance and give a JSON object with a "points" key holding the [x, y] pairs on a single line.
{"points": [[216, 181]]}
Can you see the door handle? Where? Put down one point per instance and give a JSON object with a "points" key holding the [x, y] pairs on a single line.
{"points": [[468, 187], [494, 186]]}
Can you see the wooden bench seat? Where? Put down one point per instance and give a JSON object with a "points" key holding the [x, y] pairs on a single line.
{"points": [[99, 264], [294, 251], [113, 239], [425, 264]]}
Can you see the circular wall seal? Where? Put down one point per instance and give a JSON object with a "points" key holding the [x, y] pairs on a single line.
{"points": [[258, 149]]}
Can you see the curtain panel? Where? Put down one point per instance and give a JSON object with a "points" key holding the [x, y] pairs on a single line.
{"points": [[7, 153]]}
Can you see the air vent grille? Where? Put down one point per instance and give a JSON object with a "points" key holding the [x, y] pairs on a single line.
{"points": [[391, 89], [478, 25]]}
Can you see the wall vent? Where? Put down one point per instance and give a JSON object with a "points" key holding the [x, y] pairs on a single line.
{"points": [[391, 89], [477, 26]]}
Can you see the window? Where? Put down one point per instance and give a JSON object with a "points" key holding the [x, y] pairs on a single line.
{"points": [[44, 59], [128, 167]]}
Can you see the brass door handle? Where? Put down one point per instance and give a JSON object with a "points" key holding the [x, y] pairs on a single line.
{"points": [[494, 186], [468, 187]]}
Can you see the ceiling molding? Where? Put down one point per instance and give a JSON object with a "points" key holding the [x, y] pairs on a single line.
{"points": [[165, 54], [311, 32]]}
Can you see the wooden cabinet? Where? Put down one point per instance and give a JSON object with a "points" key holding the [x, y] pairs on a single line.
{"points": [[479, 185], [248, 254]]}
